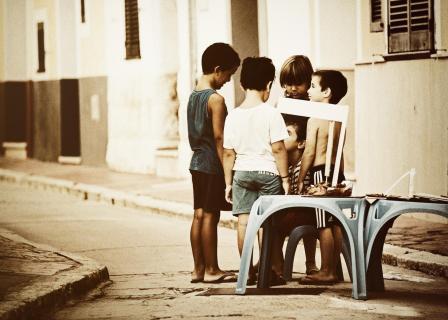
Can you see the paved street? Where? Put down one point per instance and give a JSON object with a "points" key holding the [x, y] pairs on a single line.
{"points": [[148, 257]]}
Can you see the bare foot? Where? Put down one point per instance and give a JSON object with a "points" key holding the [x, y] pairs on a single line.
{"points": [[318, 278], [311, 268], [219, 277], [197, 276]]}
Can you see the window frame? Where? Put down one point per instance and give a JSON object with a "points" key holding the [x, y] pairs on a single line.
{"points": [[403, 45]]}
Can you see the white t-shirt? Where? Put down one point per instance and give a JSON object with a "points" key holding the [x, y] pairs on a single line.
{"points": [[250, 132]]}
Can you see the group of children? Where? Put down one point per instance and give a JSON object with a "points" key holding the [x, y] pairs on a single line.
{"points": [[253, 152]]}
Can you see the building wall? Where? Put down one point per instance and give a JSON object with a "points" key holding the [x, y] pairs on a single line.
{"points": [[15, 99], [372, 45], [142, 95], [93, 120], [45, 11], [47, 120], [92, 72], [2, 73], [244, 16], [92, 39], [402, 124]]}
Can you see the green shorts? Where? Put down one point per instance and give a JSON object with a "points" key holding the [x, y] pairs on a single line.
{"points": [[249, 185]]}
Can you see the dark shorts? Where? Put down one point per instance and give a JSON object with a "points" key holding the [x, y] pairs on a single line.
{"points": [[287, 219], [208, 192], [323, 218]]}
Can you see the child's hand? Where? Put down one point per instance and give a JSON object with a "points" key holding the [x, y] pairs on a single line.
{"points": [[229, 194], [286, 185]]}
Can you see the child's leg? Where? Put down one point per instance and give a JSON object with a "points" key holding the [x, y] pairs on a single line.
{"points": [[337, 235], [277, 253], [325, 274], [196, 246], [309, 243], [326, 250], [243, 218], [209, 237]]}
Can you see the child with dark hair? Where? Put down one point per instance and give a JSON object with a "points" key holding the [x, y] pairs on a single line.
{"points": [[328, 86], [255, 157], [206, 113]]}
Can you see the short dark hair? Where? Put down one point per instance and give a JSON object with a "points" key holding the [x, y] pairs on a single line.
{"points": [[256, 73], [219, 55], [296, 70], [334, 80], [299, 127]]}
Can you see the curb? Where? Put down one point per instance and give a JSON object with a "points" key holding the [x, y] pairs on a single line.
{"points": [[411, 259], [425, 262], [44, 295], [110, 196]]}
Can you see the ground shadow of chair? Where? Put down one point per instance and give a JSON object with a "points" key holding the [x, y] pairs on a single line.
{"points": [[266, 206], [380, 218], [295, 236]]}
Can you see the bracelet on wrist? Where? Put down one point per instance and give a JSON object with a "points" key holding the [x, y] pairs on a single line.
{"points": [[284, 177]]}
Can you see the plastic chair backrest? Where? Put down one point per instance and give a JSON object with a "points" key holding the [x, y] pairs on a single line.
{"points": [[325, 111]]}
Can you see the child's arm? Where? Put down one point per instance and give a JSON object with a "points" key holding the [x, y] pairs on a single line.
{"points": [[228, 162], [309, 153], [217, 108], [281, 159]]}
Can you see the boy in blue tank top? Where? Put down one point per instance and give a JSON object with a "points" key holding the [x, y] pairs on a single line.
{"points": [[206, 113]]}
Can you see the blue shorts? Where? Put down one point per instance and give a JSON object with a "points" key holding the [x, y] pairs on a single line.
{"points": [[249, 185]]}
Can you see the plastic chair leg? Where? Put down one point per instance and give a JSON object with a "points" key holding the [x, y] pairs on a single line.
{"points": [[348, 260], [374, 276], [265, 263], [294, 238]]}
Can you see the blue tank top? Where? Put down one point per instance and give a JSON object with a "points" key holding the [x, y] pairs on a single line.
{"points": [[200, 134]]}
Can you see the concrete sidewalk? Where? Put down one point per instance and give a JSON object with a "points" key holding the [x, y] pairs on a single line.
{"points": [[36, 278], [412, 243]]}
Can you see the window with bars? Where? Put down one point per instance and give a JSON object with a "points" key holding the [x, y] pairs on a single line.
{"points": [[376, 16], [410, 26], [40, 47], [132, 30]]}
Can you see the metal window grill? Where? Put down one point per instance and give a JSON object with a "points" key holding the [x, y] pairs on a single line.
{"points": [[132, 30]]}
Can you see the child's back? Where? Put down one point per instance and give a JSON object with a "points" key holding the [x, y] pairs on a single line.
{"points": [[200, 133], [321, 129]]}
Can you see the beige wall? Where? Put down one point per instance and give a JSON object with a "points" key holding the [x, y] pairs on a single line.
{"points": [[45, 10], [402, 123], [334, 29], [2, 40], [15, 67], [92, 42], [441, 20]]}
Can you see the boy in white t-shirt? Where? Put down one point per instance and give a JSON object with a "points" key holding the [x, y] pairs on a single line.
{"points": [[253, 146]]}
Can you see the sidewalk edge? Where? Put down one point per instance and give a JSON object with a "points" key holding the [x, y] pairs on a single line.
{"points": [[42, 296]]}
